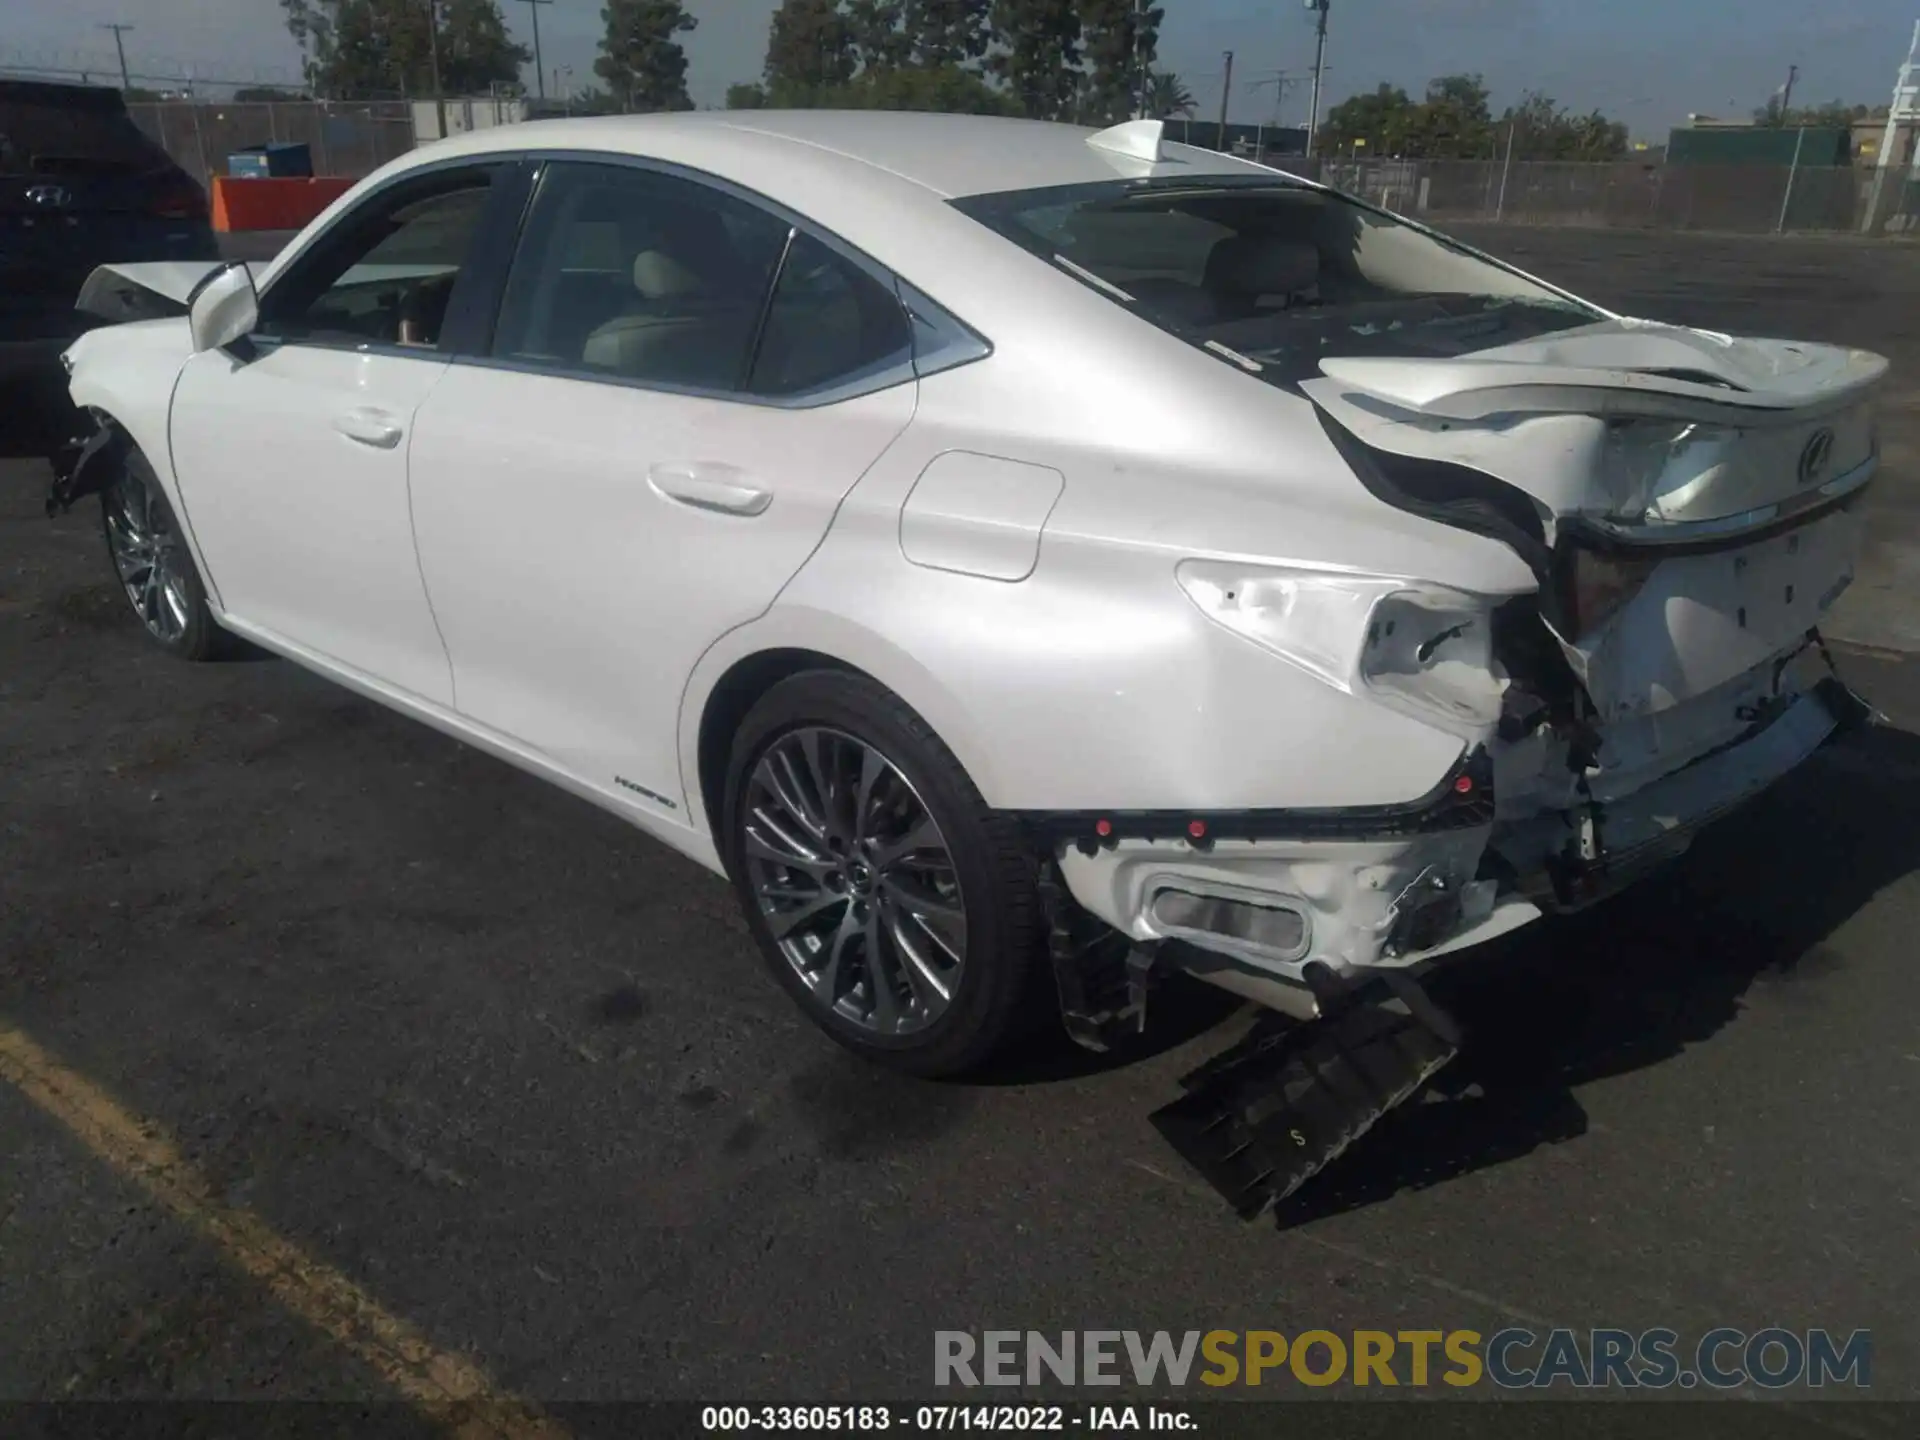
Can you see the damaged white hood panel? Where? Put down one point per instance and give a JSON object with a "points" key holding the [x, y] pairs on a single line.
{"points": [[149, 290]]}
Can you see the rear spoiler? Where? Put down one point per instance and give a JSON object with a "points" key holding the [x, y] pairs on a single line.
{"points": [[152, 290]]}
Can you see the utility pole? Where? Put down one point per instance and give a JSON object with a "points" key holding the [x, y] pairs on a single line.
{"points": [[539, 75], [433, 56], [1281, 83], [1139, 66], [1320, 9], [126, 81], [1786, 93], [1226, 90]]}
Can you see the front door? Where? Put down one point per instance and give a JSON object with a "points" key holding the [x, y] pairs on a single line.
{"points": [[291, 449], [682, 388]]}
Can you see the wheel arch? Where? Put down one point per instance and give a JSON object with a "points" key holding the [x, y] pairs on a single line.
{"points": [[733, 675], [124, 376]]}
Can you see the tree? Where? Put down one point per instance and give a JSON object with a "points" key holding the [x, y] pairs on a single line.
{"points": [[1037, 54], [1543, 130], [1168, 96], [354, 48], [641, 61], [1120, 43], [808, 44], [947, 32], [1834, 115], [880, 39], [1454, 122], [1379, 121], [949, 89]]}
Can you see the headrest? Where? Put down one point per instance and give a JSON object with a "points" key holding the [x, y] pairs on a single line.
{"points": [[659, 276], [1252, 265]]}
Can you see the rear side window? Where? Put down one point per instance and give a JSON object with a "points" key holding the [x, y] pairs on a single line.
{"points": [[71, 132], [830, 323], [656, 279], [60, 131], [639, 276]]}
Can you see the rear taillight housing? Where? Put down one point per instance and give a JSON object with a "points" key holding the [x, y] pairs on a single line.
{"points": [[1598, 585], [179, 199]]}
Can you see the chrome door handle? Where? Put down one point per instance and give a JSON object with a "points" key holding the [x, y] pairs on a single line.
{"points": [[369, 427], [710, 487]]}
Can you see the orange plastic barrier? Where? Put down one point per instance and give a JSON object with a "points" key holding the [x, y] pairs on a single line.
{"points": [[273, 204]]}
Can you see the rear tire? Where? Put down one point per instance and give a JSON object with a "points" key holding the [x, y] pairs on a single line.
{"points": [[155, 568], [897, 909]]}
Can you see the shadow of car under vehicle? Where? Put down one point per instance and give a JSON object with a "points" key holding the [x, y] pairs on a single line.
{"points": [[1635, 981]]}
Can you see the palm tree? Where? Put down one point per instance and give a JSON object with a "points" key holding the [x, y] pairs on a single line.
{"points": [[1167, 96]]}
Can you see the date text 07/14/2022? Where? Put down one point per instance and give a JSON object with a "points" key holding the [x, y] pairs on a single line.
{"points": [[942, 1419]]}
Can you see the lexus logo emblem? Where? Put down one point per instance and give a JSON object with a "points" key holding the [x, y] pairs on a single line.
{"points": [[1813, 459], [51, 197]]}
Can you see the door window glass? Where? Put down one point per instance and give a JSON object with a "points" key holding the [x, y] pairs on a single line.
{"points": [[639, 276], [830, 322], [385, 276]]}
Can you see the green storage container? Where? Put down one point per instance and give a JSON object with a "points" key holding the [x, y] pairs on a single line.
{"points": [[1759, 145]]}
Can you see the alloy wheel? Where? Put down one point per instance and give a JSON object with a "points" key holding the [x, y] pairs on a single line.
{"points": [[854, 880], [148, 556]]}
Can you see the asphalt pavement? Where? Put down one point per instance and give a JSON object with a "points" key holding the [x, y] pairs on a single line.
{"points": [[515, 1074]]}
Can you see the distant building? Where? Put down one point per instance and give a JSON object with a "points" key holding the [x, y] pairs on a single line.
{"points": [[1280, 140], [1868, 135]]}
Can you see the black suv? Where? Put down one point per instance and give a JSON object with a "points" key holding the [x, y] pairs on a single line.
{"points": [[80, 186]]}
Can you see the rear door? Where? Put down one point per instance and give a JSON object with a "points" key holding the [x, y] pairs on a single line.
{"points": [[681, 387], [81, 186]]}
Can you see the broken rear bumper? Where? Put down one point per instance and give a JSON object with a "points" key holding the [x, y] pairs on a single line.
{"points": [[1273, 916], [1644, 830]]}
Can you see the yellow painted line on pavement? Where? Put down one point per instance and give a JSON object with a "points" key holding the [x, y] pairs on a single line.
{"points": [[445, 1386]]}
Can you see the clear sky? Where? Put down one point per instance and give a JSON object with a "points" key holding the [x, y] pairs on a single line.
{"points": [[1648, 62]]}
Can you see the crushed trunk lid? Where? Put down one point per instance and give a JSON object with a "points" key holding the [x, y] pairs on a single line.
{"points": [[1698, 484]]}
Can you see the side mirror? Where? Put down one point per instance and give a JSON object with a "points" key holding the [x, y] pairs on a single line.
{"points": [[223, 307]]}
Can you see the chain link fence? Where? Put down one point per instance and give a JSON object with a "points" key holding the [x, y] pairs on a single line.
{"points": [[351, 138], [1739, 199], [355, 138]]}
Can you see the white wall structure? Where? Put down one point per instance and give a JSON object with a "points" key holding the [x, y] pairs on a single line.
{"points": [[1904, 110]]}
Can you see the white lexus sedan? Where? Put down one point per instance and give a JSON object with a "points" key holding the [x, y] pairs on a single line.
{"points": [[1009, 553]]}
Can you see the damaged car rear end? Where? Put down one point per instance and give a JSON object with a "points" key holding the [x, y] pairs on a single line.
{"points": [[1687, 506], [1690, 507]]}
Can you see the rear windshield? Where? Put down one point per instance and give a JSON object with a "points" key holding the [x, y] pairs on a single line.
{"points": [[1279, 275], [70, 131]]}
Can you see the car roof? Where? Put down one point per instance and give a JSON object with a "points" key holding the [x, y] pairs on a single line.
{"points": [[49, 92], [949, 155]]}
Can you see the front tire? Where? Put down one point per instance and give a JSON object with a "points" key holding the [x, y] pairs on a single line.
{"points": [[897, 909], [150, 557]]}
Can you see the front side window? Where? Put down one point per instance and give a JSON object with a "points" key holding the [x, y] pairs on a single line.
{"points": [[385, 273], [1284, 275], [639, 276]]}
